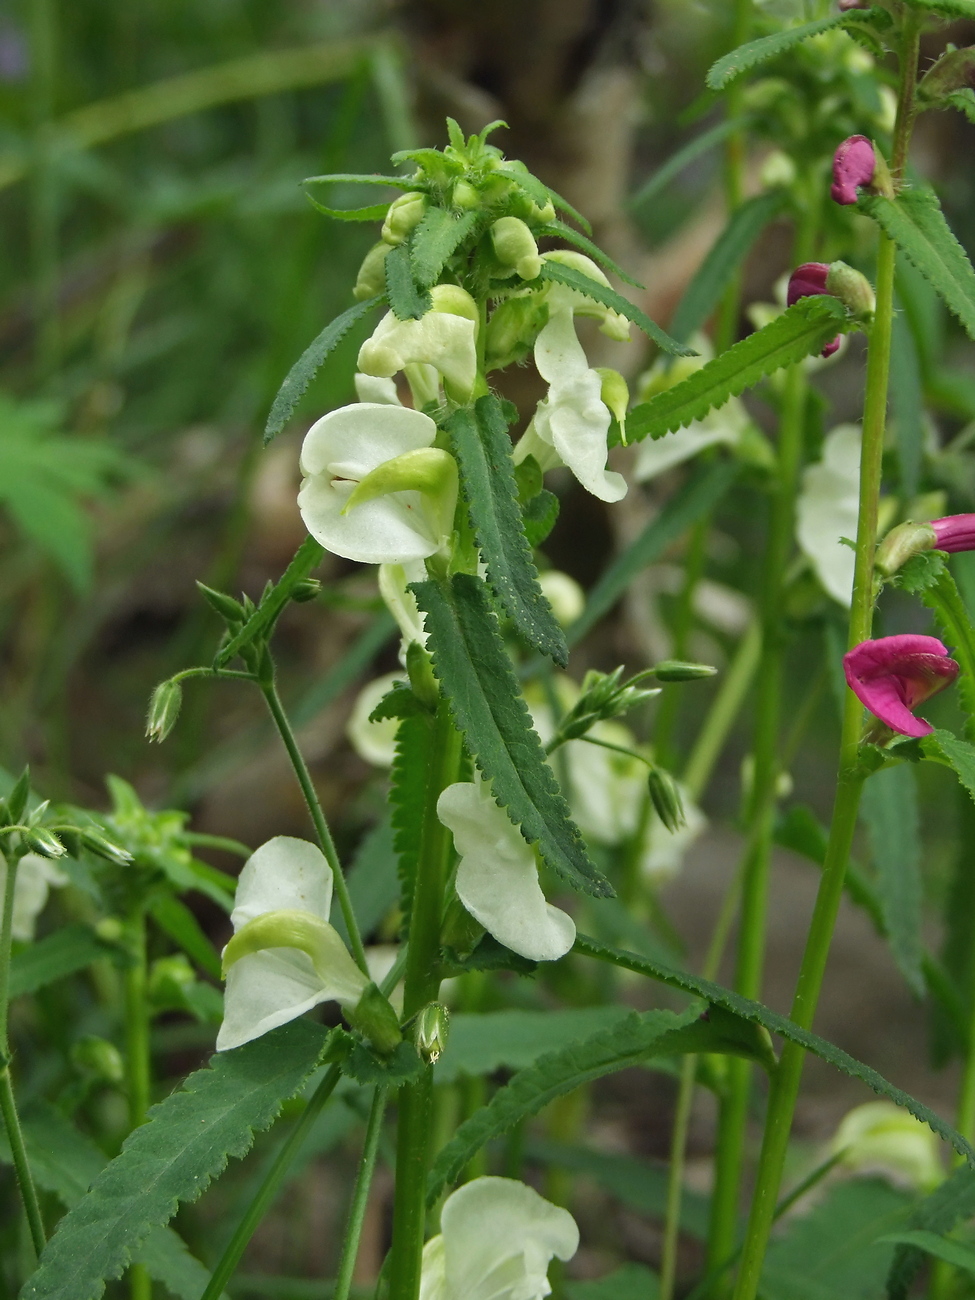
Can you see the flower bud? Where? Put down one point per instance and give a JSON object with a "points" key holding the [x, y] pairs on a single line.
{"points": [[164, 706], [103, 847], [404, 215], [376, 1020], [807, 281], [778, 170], [955, 532], [98, 1056], [40, 840], [615, 393], [903, 542], [853, 289], [676, 670], [371, 279], [512, 329], [666, 799], [430, 1031], [169, 978], [109, 929], [306, 590], [515, 247], [15, 804], [854, 164], [465, 197], [564, 594], [455, 301]]}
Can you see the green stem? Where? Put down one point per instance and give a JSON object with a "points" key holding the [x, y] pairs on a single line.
{"points": [[322, 832], [734, 178], [421, 986], [723, 712], [666, 720], [8, 1104], [258, 1207], [360, 1196], [137, 1057], [675, 1177], [44, 190]]}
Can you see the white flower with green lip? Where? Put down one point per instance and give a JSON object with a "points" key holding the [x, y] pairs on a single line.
{"points": [[35, 876], [375, 489], [497, 1239], [445, 338], [285, 957], [497, 878]]}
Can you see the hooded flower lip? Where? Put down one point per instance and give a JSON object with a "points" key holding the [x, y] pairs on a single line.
{"points": [[497, 1239], [338, 452], [268, 988], [894, 674], [497, 878], [443, 338], [955, 532], [854, 164], [807, 281]]}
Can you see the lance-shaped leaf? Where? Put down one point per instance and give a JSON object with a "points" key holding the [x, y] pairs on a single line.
{"points": [[946, 8], [310, 362], [733, 64], [172, 1158], [438, 235], [915, 222], [591, 288], [938, 1213], [405, 299], [800, 332], [889, 808], [57, 955], [474, 669], [309, 553], [483, 449], [559, 230]]}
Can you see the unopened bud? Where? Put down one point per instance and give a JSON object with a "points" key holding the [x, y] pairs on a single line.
{"points": [[857, 163], [512, 330], [376, 1020], [99, 1057], [676, 670], [103, 847], [404, 215], [430, 1032], [853, 289], [109, 929], [903, 542], [514, 246], [665, 797], [371, 279], [615, 393], [15, 804], [306, 590], [465, 197], [778, 170], [40, 840], [455, 301], [232, 610], [164, 707]]}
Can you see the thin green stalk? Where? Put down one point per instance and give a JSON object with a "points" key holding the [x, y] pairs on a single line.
{"points": [[137, 1057], [322, 832], [258, 1207], [360, 1196], [44, 189], [734, 177], [8, 1104], [421, 986], [723, 712], [666, 720], [675, 1177]]}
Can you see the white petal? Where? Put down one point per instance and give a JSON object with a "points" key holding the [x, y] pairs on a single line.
{"points": [[283, 874], [370, 388], [559, 356], [267, 989], [499, 1237], [390, 529], [351, 441], [439, 339], [373, 741], [655, 455], [35, 874], [575, 420], [606, 789], [401, 603], [828, 508], [433, 1276], [497, 879]]}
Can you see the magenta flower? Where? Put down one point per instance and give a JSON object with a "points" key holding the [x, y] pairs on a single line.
{"points": [[854, 164], [894, 674], [955, 532], [807, 281]]}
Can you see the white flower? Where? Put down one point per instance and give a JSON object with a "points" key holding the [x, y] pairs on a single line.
{"points": [[289, 882], [373, 741], [881, 1138], [400, 523], [827, 509], [564, 594], [497, 878], [444, 338], [401, 603], [370, 388], [35, 875], [497, 1239]]}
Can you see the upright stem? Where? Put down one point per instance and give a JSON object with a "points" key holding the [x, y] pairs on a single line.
{"points": [[675, 1177], [322, 832], [43, 194], [137, 1060], [360, 1196], [421, 986], [8, 1105], [721, 716], [734, 179]]}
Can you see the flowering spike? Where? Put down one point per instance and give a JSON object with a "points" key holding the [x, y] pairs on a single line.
{"points": [[892, 675], [854, 164]]}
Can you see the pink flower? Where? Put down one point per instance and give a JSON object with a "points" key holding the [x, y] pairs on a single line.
{"points": [[955, 532], [894, 674], [807, 281], [854, 164]]}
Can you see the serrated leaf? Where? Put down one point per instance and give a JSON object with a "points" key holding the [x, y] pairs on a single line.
{"points": [[963, 100], [514, 1039], [801, 331], [946, 8], [310, 362], [538, 191], [539, 516], [372, 212], [406, 301], [474, 669], [915, 222], [54, 957], [747, 56], [479, 436], [601, 293], [488, 954], [360, 178], [172, 1158], [775, 1024], [435, 239], [725, 256], [889, 809], [951, 615], [408, 798], [398, 702], [559, 230], [307, 556], [630, 1042], [946, 1206], [958, 754]]}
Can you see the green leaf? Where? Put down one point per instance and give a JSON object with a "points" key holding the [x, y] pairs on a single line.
{"points": [[801, 331], [538, 192], [591, 288], [398, 702], [167, 1259], [373, 212], [559, 230], [406, 301], [54, 957], [630, 1042], [889, 808], [727, 253], [539, 516], [939, 1212], [963, 100], [732, 65], [946, 8], [917, 225], [513, 1039], [775, 1024], [435, 239], [172, 1158], [683, 158], [955, 1253], [360, 178], [307, 556], [372, 880], [695, 499], [409, 797], [176, 919], [310, 362], [958, 754], [479, 436], [629, 1282], [470, 659]]}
